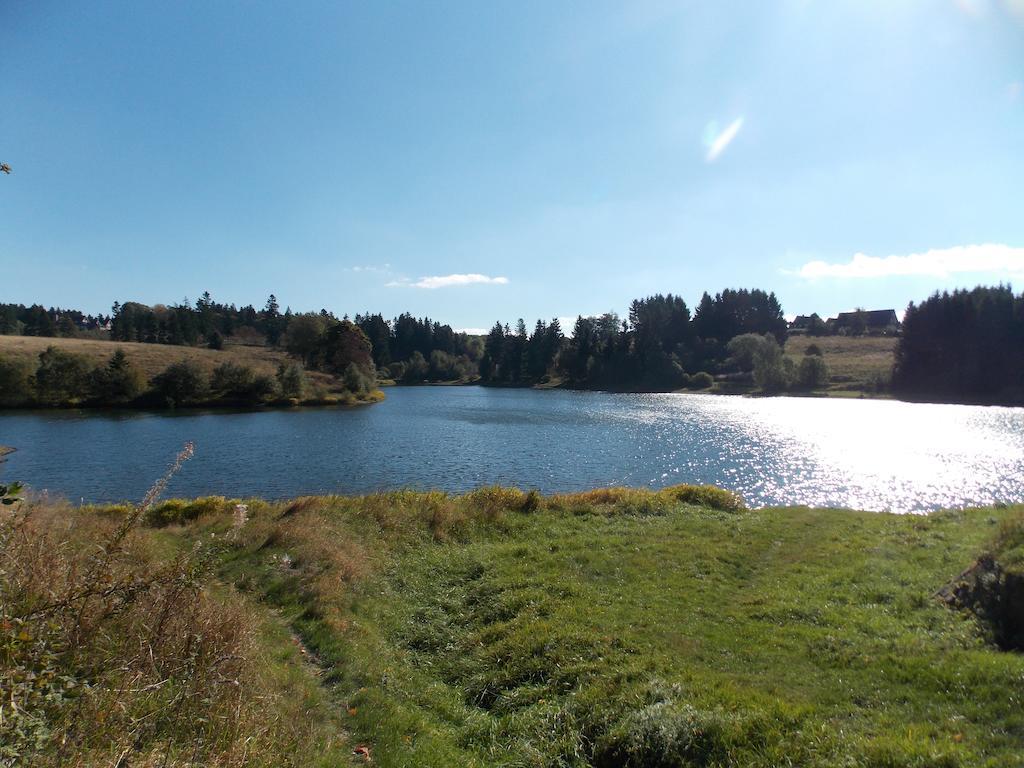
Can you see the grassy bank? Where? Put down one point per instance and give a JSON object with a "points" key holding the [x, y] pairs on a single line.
{"points": [[613, 628]]}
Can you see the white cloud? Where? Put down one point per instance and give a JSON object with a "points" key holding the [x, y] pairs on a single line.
{"points": [[939, 262], [446, 281], [717, 141], [473, 331], [1014, 90], [369, 268]]}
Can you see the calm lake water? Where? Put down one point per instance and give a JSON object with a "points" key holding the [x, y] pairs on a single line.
{"points": [[876, 455]]}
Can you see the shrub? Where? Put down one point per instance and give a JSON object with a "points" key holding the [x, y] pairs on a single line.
{"points": [[880, 382], [396, 371], [117, 382], [304, 336], [813, 349], [231, 380], [9, 494], [62, 377], [744, 350], [446, 367], [532, 502], [15, 381], [775, 374], [812, 373], [291, 380], [216, 341], [773, 371], [358, 380], [416, 369], [700, 380], [239, 382], [180, 383]]}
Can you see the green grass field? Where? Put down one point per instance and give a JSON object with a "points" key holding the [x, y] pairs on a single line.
{"points": [[612, 628], [634, 630]]}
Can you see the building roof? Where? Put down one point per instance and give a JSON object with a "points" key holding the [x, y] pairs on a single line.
{"points": [[871, 317]]}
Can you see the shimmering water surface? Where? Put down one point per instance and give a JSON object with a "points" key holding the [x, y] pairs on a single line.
{"points": [[876, 455]]}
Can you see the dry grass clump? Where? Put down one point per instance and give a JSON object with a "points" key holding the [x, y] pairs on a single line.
{"points": [[116, 651], [494, 500], [305, 504], [705, 496], [106, 653], [595, 497], [644, 501], [181, 511], [319, 547]]}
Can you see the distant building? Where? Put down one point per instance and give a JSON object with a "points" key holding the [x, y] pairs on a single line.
{"points": [[875, 322], [800, 324]]}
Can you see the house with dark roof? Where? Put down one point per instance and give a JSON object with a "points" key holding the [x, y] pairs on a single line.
{"points": [[876, 322], [799, 325]]}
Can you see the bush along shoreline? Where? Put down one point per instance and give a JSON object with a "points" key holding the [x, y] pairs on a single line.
{"points": [[64, 379]]}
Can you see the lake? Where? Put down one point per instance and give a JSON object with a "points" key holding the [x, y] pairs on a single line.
{"points": [[865, 454]]}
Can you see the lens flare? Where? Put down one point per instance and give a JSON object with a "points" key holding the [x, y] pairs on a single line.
{"points": [[717, 140]]}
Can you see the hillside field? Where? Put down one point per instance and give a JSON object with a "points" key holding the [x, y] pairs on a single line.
{"points": [[151, 359], [855, 363]]}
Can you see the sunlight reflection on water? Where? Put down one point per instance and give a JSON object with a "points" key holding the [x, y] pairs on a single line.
{"points": [[877, 455]]}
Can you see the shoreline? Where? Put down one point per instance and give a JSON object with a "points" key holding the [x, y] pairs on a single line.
{"points": [[371, 398], [830, 394]]}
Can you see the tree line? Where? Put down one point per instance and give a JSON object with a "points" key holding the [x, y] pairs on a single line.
{"points": [[967, 345], [207, 322], [660, 346], [964, 345], [406, 349], [37, 320], [413, 350]]}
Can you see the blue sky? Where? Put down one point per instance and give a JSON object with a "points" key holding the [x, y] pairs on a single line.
{"points": [[481, 161]]}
